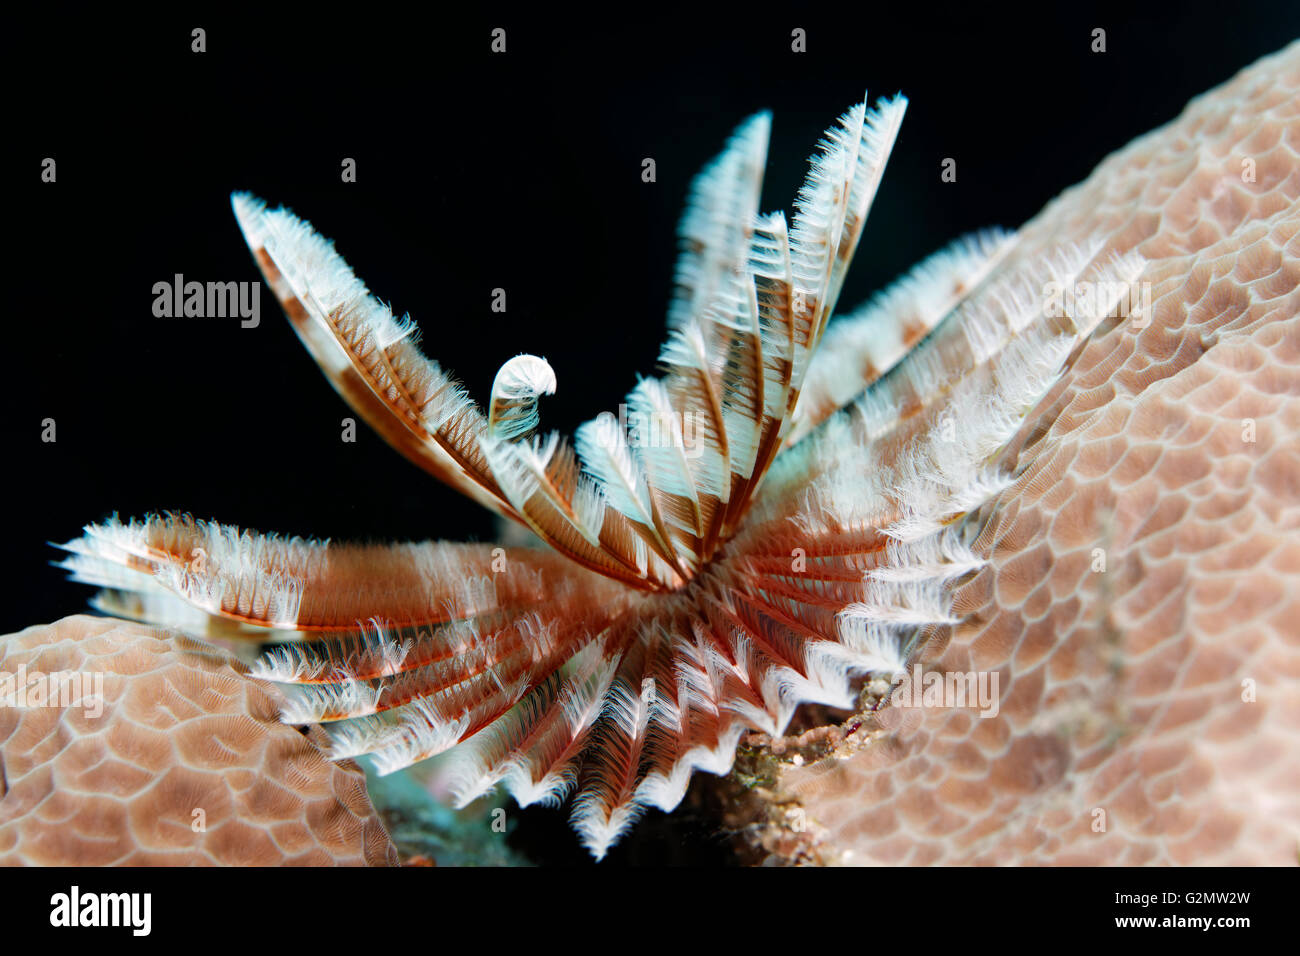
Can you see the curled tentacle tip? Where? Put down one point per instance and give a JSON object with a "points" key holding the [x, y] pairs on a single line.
{"points": [[519, 383]]}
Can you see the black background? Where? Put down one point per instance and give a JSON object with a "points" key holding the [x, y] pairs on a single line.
{"points": [[475, 171], [691, 911]]}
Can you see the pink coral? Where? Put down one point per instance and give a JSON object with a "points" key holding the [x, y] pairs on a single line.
{"points": [[1140, 602], [183, 761]]}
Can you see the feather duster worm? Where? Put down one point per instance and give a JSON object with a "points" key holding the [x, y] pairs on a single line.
{"points": [[772, 523]]}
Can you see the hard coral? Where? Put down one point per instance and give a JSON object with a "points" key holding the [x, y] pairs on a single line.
{"points": [[1141, 603], [183, 761]]}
